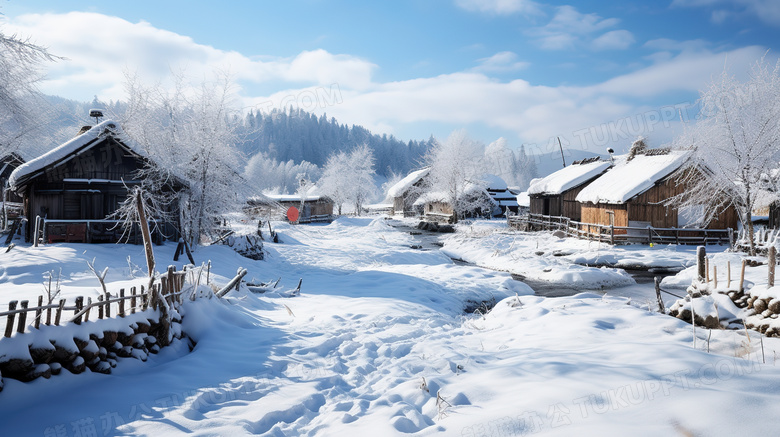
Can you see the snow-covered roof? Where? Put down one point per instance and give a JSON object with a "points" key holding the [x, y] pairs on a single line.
{"points": [[630, 178], [523, 199], [493, 182], [567, 178], [404, 184], [80, 143], [312, 194], [440, 196]]}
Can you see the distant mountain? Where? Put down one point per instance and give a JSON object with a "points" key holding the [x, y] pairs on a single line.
{"points": [[550, 162]]}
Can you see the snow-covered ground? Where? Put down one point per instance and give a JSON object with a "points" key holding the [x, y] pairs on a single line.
{"points": [[378, 343]]}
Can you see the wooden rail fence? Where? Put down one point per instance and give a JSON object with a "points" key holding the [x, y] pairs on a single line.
{"points": [[170, 287], [621, 234]]}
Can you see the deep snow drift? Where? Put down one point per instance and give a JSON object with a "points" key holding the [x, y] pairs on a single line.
{"points": [[378, 343]]}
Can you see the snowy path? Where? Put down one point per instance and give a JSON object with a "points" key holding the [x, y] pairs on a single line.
{"points": [[378, 333]]}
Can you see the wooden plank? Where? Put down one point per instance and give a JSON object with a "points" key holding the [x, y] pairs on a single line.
{"points": [[79, 307], [38, 313], [22, 317], [9, 324], [58, 314], [89, 307], [121, 302]]}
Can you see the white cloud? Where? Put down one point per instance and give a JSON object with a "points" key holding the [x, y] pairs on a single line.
{"points": [[501, 62], [767, 11], [534, 113], [613, 40], [500, 7], [100, 47], [570, 29]]}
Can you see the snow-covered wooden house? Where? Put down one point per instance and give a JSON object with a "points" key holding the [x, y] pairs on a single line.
{"points": [[474, 200], [635, 191], [406, 191], [504, 199], [311, 205], [76, 186], [555, 193]]}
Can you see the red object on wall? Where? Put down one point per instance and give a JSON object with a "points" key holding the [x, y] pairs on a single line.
{"points": [[292, 214]]}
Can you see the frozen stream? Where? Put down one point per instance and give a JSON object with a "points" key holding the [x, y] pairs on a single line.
{"points": [[641, 292]]}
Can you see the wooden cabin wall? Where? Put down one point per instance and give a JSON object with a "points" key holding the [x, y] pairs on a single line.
{"points": [[571, 208], [398, 205], [649, 206], [728, 219], [547, 205], [321, 207], [597, 214]]}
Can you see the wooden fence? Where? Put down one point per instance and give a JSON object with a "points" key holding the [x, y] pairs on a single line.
{"points": [[170, 287], [621, 234]]}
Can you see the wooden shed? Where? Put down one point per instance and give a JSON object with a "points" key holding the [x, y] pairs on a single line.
{"points": [[634, 192], [311, 205], [474, 199], [75, 187], [406, 191], [555, 194]]}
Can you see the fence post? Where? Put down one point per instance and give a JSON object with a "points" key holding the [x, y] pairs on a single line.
{"points": [[731, 239], [144, 299], [171, 284], [121, 302], [22, 317], [612, 234], [701, 255], [133, 300], [728, 275], [742, 276], [58, 314], [100, 307], [772, 263], [649, 235], [89, 308], [661, 308], [9, 325], [79, 306], [38, 312], [35, 231], [715, 275], [48, 315], [108, 305]]}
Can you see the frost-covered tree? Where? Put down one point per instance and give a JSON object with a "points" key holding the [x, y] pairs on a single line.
{"points": [[361, 169], [334, 182], [189, 132], [349, 177], [734, 145], [20, 62], [266, 174], [456, 167]]}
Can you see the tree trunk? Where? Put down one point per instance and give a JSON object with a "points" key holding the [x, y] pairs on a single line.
{"points": [[139, 203], [749, 220]]}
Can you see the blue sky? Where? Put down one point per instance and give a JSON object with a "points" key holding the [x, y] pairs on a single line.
{"points": [[594, 73]]}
